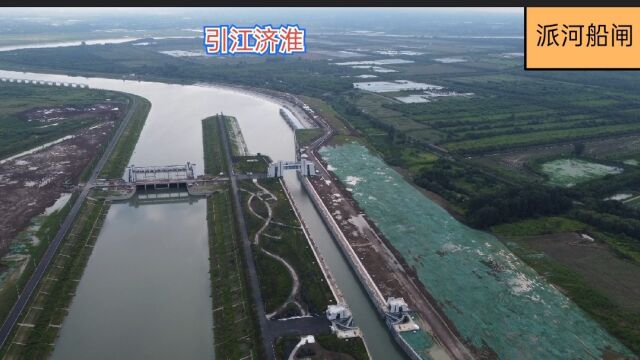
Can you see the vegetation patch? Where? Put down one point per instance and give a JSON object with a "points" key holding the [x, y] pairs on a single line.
{"points": [[285, 238], [326, 346], [32, 115], [256, 164], [569, 172], [236, 333], [354, 346], [538, 226], [214, 158], [119, 159], [593, 268], [306, 136], [48, 308]]}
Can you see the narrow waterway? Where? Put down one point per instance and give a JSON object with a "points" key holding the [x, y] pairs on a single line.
{"points": [[377, 338], [145, 291]]}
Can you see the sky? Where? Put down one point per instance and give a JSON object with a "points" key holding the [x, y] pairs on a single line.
{"points": [[88, 11]]}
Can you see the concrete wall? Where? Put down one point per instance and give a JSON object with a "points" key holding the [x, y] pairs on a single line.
{"points": [[368, 284]]}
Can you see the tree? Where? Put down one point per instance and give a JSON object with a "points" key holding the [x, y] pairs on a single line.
{"points": [[486, 216]]}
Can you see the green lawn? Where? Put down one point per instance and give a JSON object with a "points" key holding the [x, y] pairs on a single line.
{"points": [[214, 158], [119, 159], [307, 136]]}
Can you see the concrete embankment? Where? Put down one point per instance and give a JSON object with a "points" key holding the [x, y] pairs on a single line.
{"points": [[365, 278], [41, 268], [290, 119], [354, 262], [316, 252], [372, 290]]}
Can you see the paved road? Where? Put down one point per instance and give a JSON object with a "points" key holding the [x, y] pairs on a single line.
{"points": [[40, 270], [267, 341], [298, 326], [270, 329]]}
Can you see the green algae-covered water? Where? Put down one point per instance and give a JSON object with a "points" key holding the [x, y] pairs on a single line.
{"points": [[492, 297], [419, 341], [569, 172]]}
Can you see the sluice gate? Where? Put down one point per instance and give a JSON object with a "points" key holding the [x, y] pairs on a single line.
{"points": [[159, 177]]}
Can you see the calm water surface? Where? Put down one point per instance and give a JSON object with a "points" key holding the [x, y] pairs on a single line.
{"points": [[145, 291]]}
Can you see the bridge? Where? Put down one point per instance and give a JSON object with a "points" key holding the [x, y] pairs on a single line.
{"points": [[41, 82], [159, 177], [305, 167]]}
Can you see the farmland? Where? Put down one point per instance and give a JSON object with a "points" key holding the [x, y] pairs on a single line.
{"points": [[32, 115], [481, 153]]}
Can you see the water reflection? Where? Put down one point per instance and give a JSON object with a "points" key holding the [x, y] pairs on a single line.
{"points": [[172, 135], [145, 290]]}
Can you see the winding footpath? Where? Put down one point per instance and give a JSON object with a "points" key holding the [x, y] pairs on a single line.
{"points": [[295, 288], [269, 329]]}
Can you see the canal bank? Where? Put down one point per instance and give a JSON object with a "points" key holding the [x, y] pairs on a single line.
{"points": [[78, 227], [495, 300], [383, 271], [261, 123]]}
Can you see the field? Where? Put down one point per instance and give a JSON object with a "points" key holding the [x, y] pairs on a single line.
{"points": [[119, 159], [483, 147], [593, 275], [236, 334], [214, 158], [32, 115], [520, 164]]}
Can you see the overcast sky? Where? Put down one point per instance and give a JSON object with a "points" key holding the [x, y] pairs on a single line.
{"points": [[71, 11]]}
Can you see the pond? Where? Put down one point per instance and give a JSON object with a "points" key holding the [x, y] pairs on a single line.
{"points": [[569, 172]]}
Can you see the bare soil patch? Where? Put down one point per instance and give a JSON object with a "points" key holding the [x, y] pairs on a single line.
{"points": [[51, 114], [31, 183]]}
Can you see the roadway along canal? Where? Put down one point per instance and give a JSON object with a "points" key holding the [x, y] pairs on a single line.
{"points": [[145, 291]]}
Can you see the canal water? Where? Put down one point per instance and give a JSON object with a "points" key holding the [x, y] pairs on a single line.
{"points": [[490, 295], [145, 291]]}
